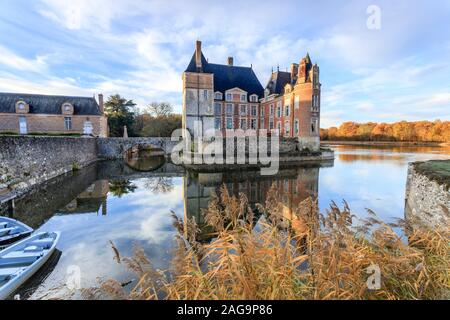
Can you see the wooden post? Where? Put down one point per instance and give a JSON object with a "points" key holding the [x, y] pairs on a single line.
{"points": [[10, 208]]}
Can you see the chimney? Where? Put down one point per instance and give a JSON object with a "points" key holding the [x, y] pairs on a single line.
{"points": [[198, 55], [230, 61], [294, 71], [100, 103], [302, 71]]}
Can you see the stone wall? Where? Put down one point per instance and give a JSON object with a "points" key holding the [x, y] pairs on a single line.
{"points": [[427, 199], [26, 161]]}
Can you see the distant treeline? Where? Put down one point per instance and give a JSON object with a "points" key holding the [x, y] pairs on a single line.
{"points": [[421, 131]]}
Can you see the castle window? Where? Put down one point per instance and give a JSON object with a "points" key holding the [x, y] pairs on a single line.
{"points": [[271, 126], [254, 98], [254, 111], [229, 123], [287, 108], [229, 109], [217, 108], [287, 128], [279, 127], [254, 126], [229, 97], [296, 127], [314, 125], [272, 111], [205, 95], [243, 97], [243, 110], [68, 123], [217, 123], [243, 124], [262, 111], [279, 111], [316, 104], [218, 96]]}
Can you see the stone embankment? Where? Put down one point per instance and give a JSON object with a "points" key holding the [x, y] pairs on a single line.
{"points": [[428, 194]]}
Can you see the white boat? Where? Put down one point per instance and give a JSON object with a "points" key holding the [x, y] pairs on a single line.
{"points": [[12, 230], [23, 259]]}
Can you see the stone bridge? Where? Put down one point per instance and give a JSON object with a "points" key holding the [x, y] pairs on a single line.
{"points": [[116, 148]]}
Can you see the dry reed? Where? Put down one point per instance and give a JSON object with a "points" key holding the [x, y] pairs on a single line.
{"points": [[291, 253]]}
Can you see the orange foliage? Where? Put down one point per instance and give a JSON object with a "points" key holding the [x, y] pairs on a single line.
{"points": [[421, 131]]}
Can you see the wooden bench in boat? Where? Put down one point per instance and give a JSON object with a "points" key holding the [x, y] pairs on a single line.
{"points": [[42, 243], [8, 231], [20, 257]]}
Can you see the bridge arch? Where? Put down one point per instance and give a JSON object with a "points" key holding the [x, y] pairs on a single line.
{"points": [[117, 148]]}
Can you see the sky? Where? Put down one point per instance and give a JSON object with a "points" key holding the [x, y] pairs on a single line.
{"points": [[386, 65]]}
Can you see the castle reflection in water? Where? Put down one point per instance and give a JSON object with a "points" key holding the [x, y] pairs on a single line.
{"points": [[291, 186], [87, 191]]}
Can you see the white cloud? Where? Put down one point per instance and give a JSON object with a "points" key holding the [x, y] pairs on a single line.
{"points": [[51, 85], [14, 61]]}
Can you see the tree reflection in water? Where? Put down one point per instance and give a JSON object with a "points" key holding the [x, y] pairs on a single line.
{"points": [[159, 185], [119, 188]]}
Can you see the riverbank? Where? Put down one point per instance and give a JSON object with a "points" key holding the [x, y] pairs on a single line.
{"points": [[388, 143]]}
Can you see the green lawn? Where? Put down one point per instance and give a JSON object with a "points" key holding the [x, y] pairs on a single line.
{"points": [[437, 170]]}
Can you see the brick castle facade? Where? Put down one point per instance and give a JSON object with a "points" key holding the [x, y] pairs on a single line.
{"points": [[229, 97]]}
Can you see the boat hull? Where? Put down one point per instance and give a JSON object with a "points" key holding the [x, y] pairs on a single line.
{"points": [[7, 290]]}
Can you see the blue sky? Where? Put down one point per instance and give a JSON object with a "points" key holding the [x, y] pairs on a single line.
{"points": [[140, 48]]}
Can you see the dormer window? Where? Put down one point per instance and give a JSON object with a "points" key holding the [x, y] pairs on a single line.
{"points": [[287, 89], [243, 98], [22, 107], [218, 96], [229, 97], [67, 108], [254, 98]]}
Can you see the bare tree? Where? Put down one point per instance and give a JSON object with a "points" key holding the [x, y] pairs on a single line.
{"points": [[160, 110]]}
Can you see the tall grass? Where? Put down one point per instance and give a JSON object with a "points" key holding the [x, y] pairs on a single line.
{"points": [[291, 253]]}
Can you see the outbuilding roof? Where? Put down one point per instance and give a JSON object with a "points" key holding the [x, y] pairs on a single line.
{"points": [[44, 104]]}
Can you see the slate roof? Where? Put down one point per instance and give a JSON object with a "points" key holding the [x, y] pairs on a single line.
{"points": [[278, 81], [228, 77], [42, 104]]}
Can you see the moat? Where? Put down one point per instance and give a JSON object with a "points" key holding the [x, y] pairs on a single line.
{"points": [[131, 204]]}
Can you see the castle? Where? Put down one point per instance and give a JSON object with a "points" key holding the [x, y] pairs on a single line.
{"points": [[229, 97]]}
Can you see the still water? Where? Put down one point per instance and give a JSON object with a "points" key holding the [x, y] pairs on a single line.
{"points": [[130, 205]]}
